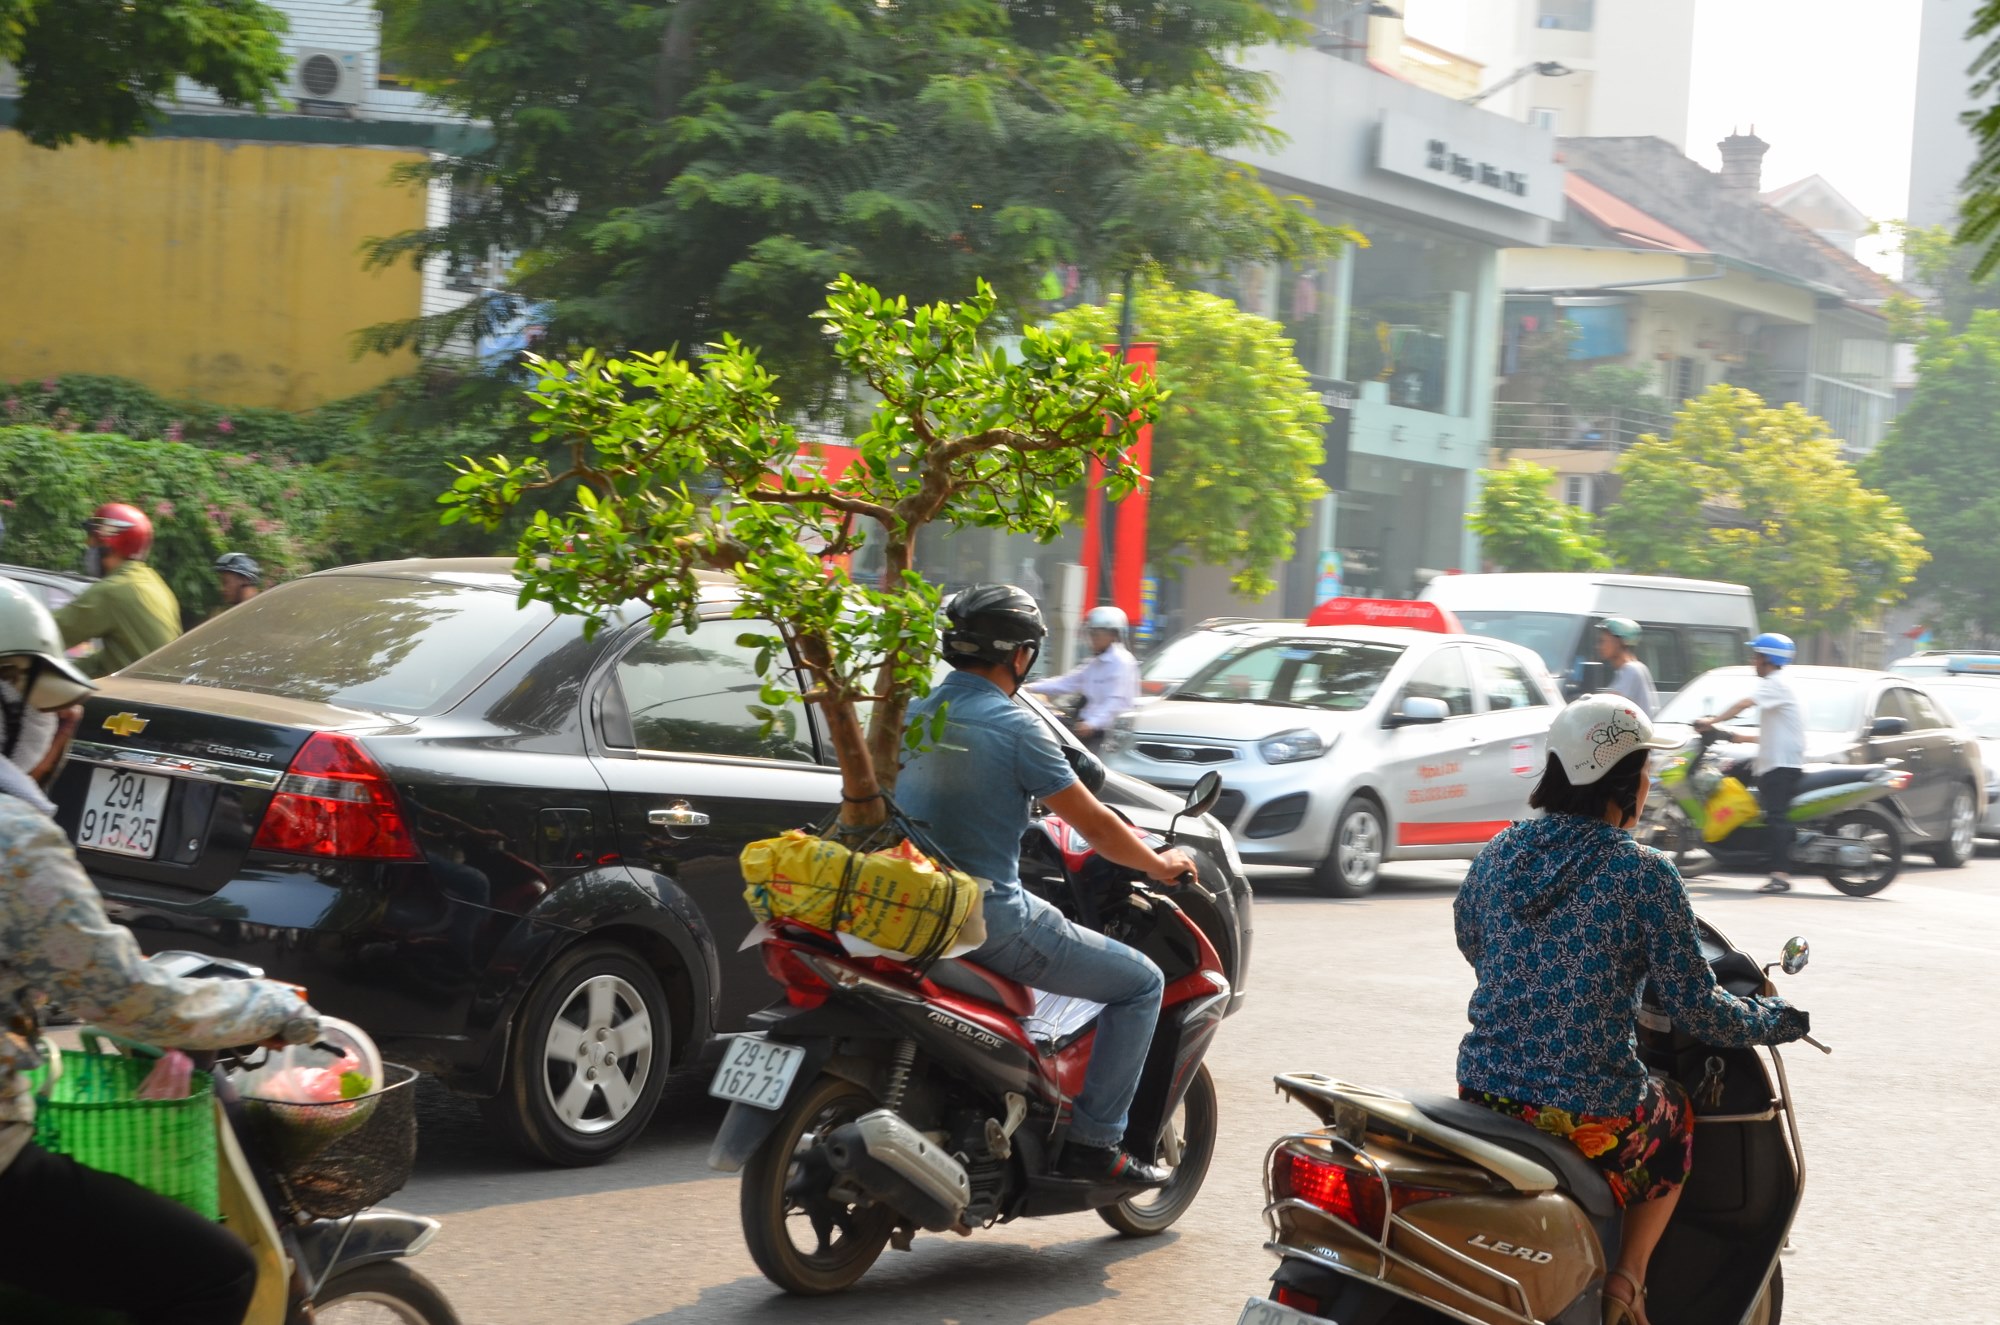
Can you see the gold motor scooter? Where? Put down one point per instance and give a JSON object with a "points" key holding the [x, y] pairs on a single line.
{"points": [[1413, 1207]]}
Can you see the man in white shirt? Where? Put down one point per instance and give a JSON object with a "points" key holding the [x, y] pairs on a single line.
{"points": [[1108, 679], [1781, 746]]}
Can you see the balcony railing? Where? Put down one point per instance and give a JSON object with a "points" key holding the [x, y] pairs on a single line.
{"points": [[1520, 427]]}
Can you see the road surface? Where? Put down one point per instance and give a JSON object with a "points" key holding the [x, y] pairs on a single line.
{"points": [[1903, 1172]]}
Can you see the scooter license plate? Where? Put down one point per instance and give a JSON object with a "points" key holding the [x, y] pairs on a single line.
{"points": [[756, 1071], [1263, 1311]]}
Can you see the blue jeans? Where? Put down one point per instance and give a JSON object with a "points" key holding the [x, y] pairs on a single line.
{"points": [[1030, 941]]}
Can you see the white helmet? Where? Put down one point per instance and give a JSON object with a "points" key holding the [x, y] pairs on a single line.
{"points": [[1106, 618]]}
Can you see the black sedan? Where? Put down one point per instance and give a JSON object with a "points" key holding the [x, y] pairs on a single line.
{"points": [[507, 850]]}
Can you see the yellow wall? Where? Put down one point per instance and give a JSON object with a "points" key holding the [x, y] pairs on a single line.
{"points": [[224, 271]]}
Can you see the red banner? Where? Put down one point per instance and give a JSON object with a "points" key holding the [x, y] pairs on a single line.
{"points": [[1128, 553]]}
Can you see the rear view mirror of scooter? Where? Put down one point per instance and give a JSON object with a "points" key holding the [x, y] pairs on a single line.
{"points": [[1201, 798], [1797, 953]]}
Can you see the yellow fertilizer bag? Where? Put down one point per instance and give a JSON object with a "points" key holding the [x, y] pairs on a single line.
{"points": [[1729, 809], [897, 899]]}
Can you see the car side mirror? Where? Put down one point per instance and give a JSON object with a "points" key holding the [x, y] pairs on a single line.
{"points": [[1592, 676], [1797, 953], [1419, 711], [1889, 727]]}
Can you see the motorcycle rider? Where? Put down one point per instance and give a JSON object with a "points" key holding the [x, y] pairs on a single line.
{"points": [[1108, 679], [1551, 1040], [1780, 739], [240, 577], [130, 611], [70, 1233], [973, 793], [1617, 644]]}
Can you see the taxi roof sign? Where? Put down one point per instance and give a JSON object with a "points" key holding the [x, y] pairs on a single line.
{"points": [[1408, 614], [1983, 665]]}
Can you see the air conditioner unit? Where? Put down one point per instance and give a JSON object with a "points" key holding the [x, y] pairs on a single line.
{"points": [[328, 77]]}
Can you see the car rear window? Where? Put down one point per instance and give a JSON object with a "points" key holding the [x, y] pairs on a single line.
{"points": [[390, 645]]}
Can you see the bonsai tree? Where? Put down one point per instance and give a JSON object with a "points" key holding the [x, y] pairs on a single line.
{"points": [[679, 467]]}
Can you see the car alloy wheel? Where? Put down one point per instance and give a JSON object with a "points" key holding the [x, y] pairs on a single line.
{"points": [[598, 1055], [1959, 844], [587, 1057], [1354, 864]]}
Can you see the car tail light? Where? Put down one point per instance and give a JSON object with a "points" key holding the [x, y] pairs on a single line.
{"points": [[803, 986], [1349, 1195], [335, 801], [1900, 779]]}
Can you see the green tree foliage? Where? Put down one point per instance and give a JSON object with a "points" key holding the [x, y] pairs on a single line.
{"points": [[962, 435], [671, 170], [202, 503], [96, 69], [1745, 492], [1523, 526], [1943, 269], [1939, 463], [1237, 450]]}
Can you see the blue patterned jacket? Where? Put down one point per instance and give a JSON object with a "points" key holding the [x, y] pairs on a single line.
{"points": [[1563, 918]]}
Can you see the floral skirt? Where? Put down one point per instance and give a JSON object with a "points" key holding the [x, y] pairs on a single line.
{"points": [[1643, 1154]]}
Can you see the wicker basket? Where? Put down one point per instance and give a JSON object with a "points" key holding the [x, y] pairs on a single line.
{"points": [[337, 1159], [92, 1113]]}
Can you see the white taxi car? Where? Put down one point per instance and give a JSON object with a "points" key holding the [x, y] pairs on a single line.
{"points": [[1342, 746]]}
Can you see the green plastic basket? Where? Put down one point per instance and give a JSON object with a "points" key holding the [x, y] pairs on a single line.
{"points": [[93, 1115]]}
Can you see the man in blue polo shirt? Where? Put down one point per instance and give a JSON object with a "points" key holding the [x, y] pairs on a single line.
{"points": [[973, 793]]}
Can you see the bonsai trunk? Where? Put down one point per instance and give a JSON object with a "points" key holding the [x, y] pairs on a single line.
{"points": [[861, 803]]}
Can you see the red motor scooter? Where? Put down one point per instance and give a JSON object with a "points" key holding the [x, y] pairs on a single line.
{"points": [[883, 1097]]}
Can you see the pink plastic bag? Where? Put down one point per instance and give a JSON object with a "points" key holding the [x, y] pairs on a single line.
{"points": [[169, 1079]]}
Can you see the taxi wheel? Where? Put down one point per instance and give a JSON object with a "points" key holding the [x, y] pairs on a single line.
{"points": [[1354, 862]]}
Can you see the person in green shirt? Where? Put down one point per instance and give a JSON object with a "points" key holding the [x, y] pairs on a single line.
{"points": [[130, 611]]}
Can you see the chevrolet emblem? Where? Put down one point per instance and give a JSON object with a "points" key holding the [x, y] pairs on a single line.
{"points": [[125, 724]]}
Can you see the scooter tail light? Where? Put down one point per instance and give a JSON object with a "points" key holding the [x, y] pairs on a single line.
{"points": [[1297, 1301], [803, 986], [1351, 1195]]}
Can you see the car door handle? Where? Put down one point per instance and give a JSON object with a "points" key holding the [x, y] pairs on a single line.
{"points": [[678, 815]]}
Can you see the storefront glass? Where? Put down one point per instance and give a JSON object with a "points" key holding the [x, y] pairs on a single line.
{"points": [[1410, 314]]}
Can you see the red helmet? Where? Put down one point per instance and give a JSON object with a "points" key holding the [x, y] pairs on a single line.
{"points": [[123, 529]]}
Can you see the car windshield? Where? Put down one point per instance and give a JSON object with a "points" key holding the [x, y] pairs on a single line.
{"points": [[1187, 655], [1828, 703], [1551, 634], [1976, 705], [1299, 673], [387, 645]]}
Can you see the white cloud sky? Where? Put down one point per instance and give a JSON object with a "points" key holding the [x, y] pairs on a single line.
{"points": [[1830, 84]]}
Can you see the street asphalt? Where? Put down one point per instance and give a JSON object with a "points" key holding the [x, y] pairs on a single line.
{"points": [[1903, 1177]]}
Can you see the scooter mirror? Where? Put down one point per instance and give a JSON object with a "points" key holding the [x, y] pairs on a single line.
{"points": [[1206, 792], [1797, 953]]}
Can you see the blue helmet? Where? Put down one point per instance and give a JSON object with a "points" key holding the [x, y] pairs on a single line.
{"points": [[1779, 649]]}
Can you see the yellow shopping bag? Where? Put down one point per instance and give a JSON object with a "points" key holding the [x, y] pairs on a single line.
{"points": [[897, 899], [1729, 809]]}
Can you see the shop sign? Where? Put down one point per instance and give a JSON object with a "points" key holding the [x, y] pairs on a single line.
{"points": [[1457, 159]]}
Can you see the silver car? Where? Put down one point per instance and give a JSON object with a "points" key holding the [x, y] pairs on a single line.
{"points": [[1973, 698], [1342, 747]]}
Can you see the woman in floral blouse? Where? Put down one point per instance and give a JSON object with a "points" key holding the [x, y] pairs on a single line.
{"points": [[73, 1234], [1564, 918]]}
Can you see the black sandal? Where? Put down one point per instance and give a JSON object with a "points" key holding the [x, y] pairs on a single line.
{"points": [[1776, 885]]}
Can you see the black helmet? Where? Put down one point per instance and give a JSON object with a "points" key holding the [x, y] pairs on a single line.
{"points": [[240, 563], [989, 622]]}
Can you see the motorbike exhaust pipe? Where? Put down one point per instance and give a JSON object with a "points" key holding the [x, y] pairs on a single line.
{"points": [[901, 1167]]}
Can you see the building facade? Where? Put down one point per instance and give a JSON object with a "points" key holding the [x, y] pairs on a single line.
{"points": [[1400, 333], [1685, 278], [220, 257], [1630, 62], [1941, 149]]}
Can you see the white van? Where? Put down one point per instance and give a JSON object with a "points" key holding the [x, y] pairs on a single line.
{"points": [[1690, 625]]}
